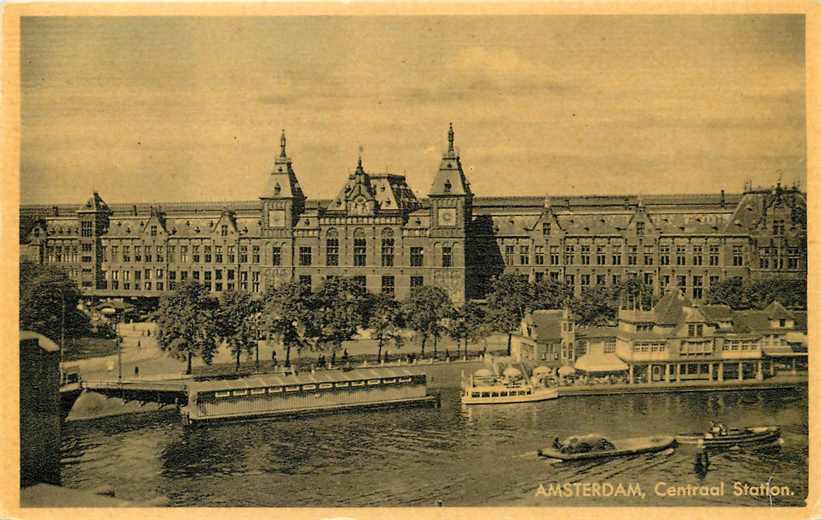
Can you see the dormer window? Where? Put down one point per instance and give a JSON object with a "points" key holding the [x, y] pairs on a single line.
{"points": [[224, 230], [695, 330], [447, 186], [153, 231], [546, 228], [277, 189], [639, 228], [782, 323]]}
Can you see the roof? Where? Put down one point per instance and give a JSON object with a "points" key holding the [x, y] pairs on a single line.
{"points": [[597, 332], [320, 376], [716, 313], [776, 311], [751, 321], [600, 362], [547, 324], [670, 307], [44, 342]]}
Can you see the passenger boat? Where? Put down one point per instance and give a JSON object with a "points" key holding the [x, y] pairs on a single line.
{"points": [[484, 388], [620, 448], [328, 391], [731, 437]]}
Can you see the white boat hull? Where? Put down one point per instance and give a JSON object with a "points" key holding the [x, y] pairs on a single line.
{"points": [[542, 394]]}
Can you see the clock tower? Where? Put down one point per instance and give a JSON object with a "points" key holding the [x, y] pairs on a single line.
{"points": [[282, 200], [451, 203]]}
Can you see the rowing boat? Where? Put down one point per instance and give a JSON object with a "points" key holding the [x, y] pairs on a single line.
{"points": [[622, 448], [733, 437]]}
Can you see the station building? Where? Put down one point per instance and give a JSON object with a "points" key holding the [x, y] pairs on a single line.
{"points": [[377, 231]]}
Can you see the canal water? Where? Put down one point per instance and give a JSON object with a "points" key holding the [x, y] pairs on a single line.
{"points": [[477, 456]]}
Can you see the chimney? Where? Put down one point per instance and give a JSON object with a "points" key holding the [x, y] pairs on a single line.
{"points": [[723, 202], [55, 211]]}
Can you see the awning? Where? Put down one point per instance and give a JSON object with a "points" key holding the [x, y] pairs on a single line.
{"points": [[592, 363]]}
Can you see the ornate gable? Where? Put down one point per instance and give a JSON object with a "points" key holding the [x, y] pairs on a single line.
{"points": [[357, 197]]}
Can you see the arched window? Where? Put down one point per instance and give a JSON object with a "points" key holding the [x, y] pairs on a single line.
{"points": [[360, 248], [332, 247]]}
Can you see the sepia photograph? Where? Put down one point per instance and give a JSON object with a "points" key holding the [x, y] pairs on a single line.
{"points": [[367, 260]]}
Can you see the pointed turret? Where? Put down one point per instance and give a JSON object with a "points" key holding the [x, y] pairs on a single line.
{"points": [[450, 179], [282, 181], [282, 198]]}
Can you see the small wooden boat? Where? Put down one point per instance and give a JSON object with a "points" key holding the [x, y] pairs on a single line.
{"points": [[621, 448], [732, 437]]}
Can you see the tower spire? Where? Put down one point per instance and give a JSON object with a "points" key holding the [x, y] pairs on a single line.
{"points": [[450, 138], [282, 142]]}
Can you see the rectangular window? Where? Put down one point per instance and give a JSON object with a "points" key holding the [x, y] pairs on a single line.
{"points": [[585, 280], [585, 255], [447, 256], [416, 256], [172, 252], [360, 252], [681, 281], [184, 276], [388, 287], [218, 274], [601, 279], [545, 228], [104, 253], [616, 256], [126, 254], [648, 255], [243, 280], [632, 255], [698, 287], [648, 279], [159, 274], [554, 255], [616, 279], [714, 280], [218, 254], [231, 274], [569, 253], [387, 252], [115, 254], [794, 258], [85, 229], [738, 256], [681, 255], [160, 253], [714, 250], [417, 281], [510, 251], [255, 282], [305, 256], [153, 231], [539, 276], [276, 255], [570, 280], [184, 254], [778, 227], [232, 254], [554, 276], [207, 254], [698, 252], [764, 258], [332, 252], [224, 230], [601, 255], [639, 228], [243, 254], [539, 252], [195, 253], [196, 276], [664, 255], [524, 255]]}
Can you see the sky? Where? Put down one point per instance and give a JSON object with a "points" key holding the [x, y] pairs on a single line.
{"points": [[153, 109]]}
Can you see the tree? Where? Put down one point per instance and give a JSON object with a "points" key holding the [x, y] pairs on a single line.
{"points": [[187, 325], [730, 291], [425, 310], [48, 302], [595, 306], [235, 323], [338, 309], [478, 325], [511, 296], [790, 292], [385, 321], [458, 327], [285, 316], [550, 294]]}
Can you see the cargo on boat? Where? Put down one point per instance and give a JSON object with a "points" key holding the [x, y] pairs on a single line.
{"points": [[607, 449], [271, 395], [722, 437]]}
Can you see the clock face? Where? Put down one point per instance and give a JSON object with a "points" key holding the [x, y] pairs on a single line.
{"points": [[447, 216]]}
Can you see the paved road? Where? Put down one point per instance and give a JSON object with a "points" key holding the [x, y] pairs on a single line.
{"points": [[140, 349]]}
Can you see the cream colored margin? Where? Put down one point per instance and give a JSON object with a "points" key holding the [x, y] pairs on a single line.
{"points": [[9, 255]]}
